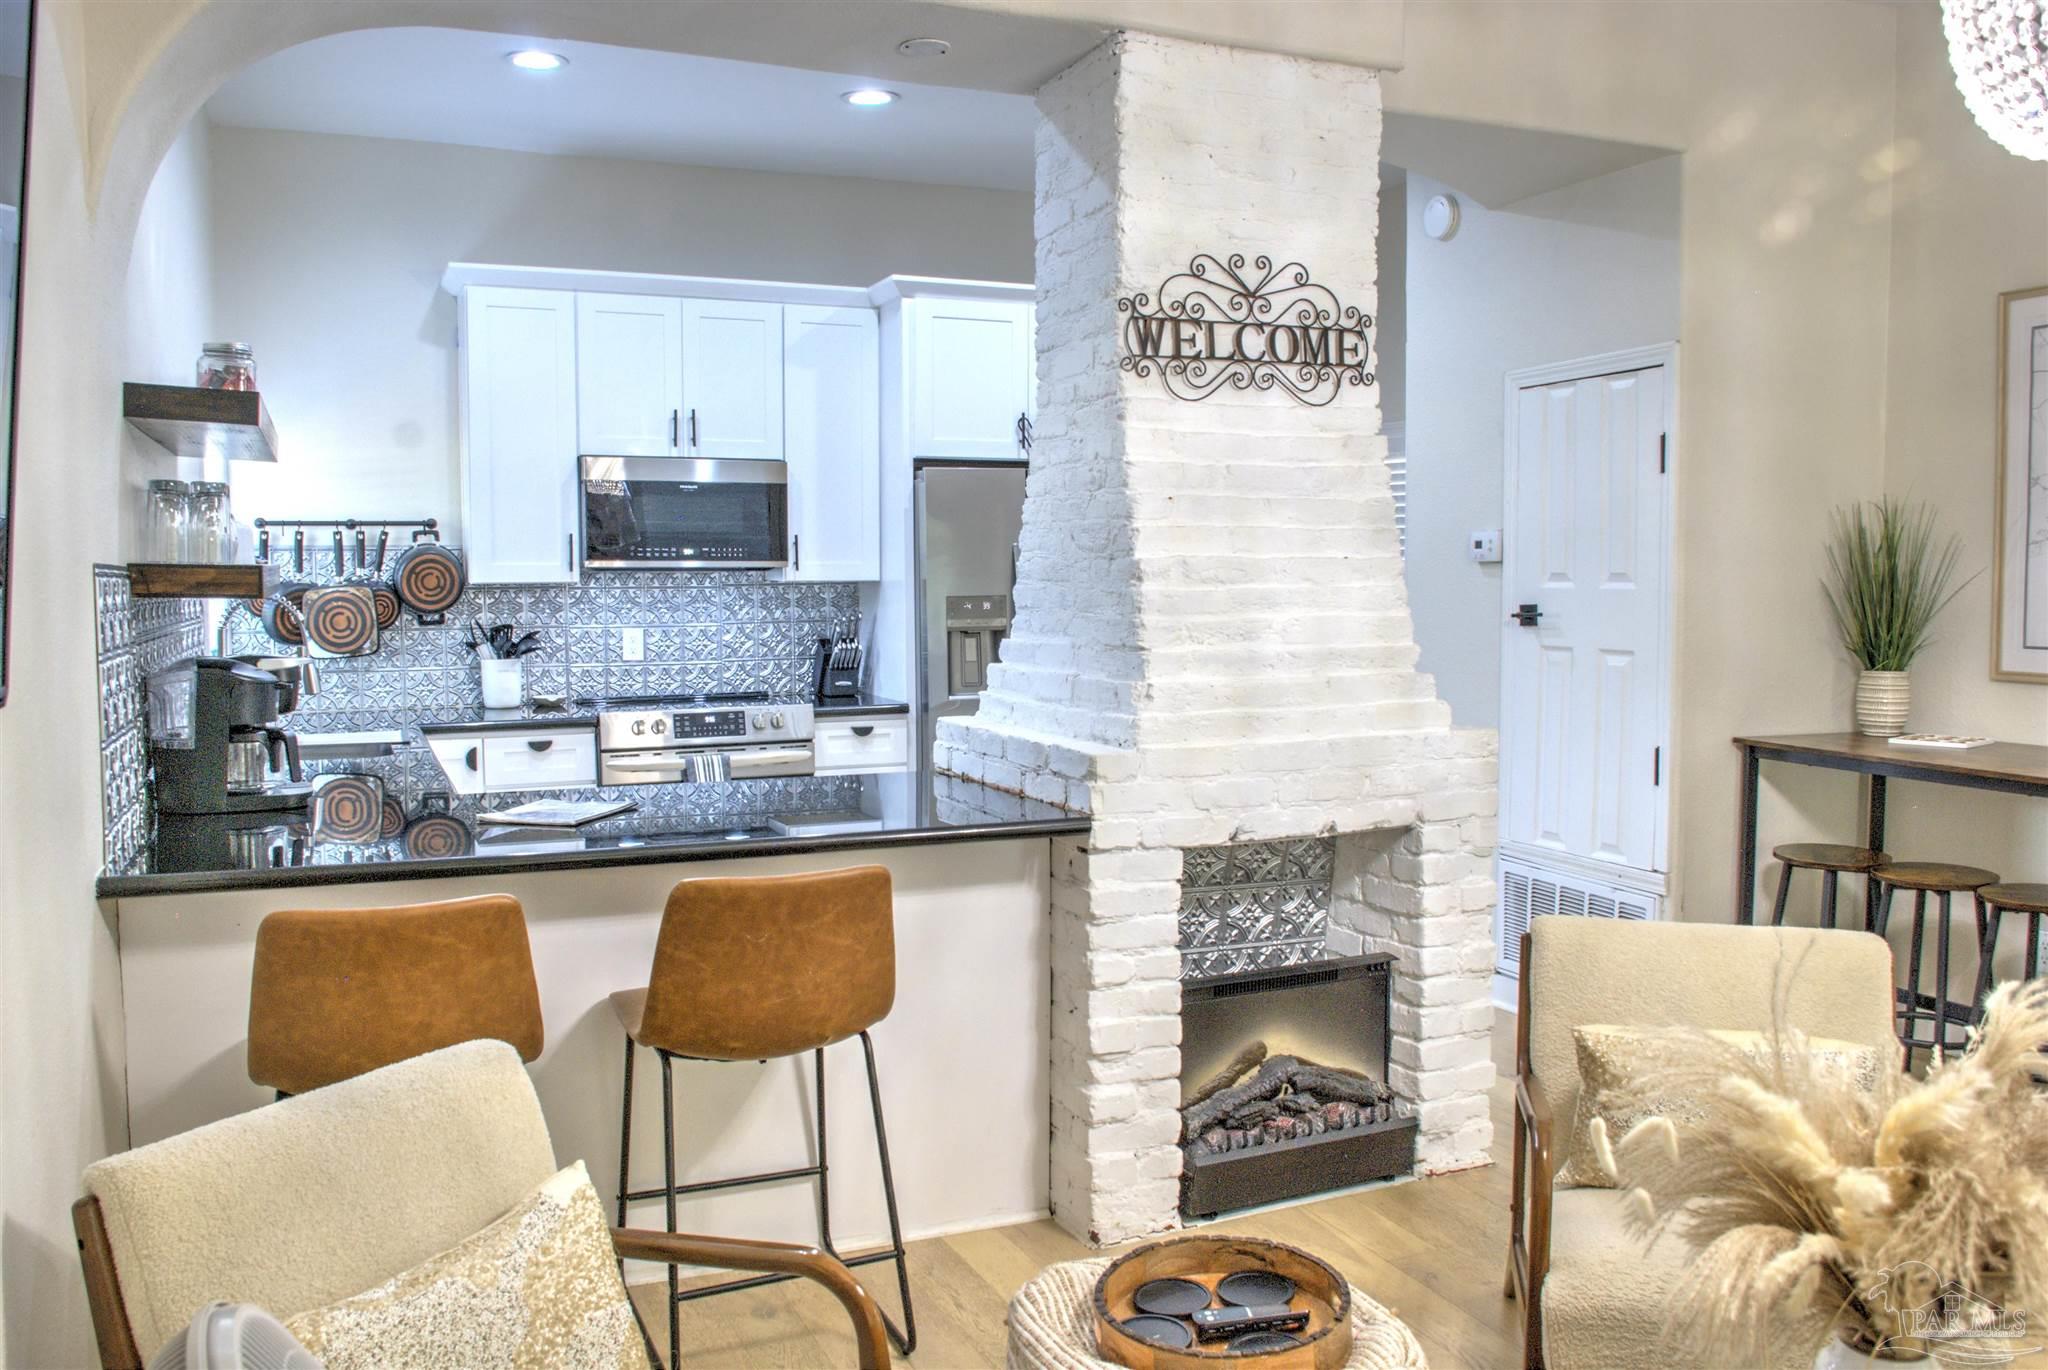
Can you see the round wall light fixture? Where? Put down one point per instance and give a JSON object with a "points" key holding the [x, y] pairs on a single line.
{"points": [[1440, 217], [870, 98]]}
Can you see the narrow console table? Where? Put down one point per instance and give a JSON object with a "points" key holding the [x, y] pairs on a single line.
{"points": [[2007, 767]]}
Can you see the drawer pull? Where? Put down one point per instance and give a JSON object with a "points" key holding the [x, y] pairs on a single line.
{"points": [[469, 760], [541, 745], [862, 730]]}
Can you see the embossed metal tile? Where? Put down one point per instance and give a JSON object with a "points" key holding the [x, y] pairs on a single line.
{"points": [[1254, 904]]}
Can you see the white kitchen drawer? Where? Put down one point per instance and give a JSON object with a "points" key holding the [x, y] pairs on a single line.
{"points": [[852, 746], [462, 760], [553, 759]]}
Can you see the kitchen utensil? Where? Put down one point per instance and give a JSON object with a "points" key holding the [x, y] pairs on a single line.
{"points": [[526, 643], [436, 834], [299, 551], [392, 821], [341, 620], [501, 641], [429, 579], [347, 808], [362, 549], [340, 561], [383, 543], [387, 607], [284, 614]]}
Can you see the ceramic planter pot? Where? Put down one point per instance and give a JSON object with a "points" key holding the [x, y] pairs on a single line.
{"points": [[1882, 699]]}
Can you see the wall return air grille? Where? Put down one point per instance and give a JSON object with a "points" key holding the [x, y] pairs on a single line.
{"points": [[1530, 891]]}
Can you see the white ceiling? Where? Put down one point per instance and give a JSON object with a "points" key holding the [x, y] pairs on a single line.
{"points": [[454, 86], [1499, 166]]}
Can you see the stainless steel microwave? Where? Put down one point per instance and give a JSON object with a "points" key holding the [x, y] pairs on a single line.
{"points": [[683, 511]]}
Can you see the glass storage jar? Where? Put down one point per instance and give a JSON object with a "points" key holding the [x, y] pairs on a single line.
{"points": [[211, 527], [166, 521], [227, 366]]}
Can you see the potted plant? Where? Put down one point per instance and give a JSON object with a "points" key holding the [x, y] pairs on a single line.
{"points": [[1886, 581]]}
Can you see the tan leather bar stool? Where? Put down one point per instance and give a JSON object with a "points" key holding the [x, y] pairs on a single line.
{"points": [[1999, 900], [336, 992], [1832, 861], [1942, 881], [754, 968]]}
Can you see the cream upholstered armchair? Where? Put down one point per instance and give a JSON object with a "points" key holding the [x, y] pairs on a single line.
{"points": [[1593, 1294], [318, 1197]]}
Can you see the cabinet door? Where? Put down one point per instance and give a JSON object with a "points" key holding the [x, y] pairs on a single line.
{"points": [[832, 428], [732, 379], [629, 375], [519, 435], [970, 388]]}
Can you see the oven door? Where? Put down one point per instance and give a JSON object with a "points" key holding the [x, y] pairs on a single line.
{"points": [[679, 511], [684, 765]]}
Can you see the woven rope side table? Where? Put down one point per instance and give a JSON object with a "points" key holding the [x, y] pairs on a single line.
{"points": [[1052, 1326]]}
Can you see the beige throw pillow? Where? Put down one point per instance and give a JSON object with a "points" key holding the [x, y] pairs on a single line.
{"points": [[1611, 1057], [538, 1289]]}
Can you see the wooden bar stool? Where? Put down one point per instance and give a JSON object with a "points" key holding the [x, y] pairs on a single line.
{"points": [[1943, 881], [1999, 900], [1832, 861], [336, 992], [751, 969]]}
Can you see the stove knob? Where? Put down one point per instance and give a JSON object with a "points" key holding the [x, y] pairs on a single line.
{"points": [[775, 720], [758, 722], [660, 726], [639, 726]]}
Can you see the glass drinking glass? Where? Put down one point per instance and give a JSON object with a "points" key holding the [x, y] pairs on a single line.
{"points": [[210, 533], [167, 517]]}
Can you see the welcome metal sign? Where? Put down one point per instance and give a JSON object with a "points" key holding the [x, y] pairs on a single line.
{"points": [[1219, 326]]}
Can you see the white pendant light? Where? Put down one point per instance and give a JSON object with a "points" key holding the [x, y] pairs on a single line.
{"points": [[1999, 49]]}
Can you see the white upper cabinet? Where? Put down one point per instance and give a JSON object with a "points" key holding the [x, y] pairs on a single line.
{"points": [[972, 388], [629, 375], [831, 434], [519, 480], [732, 379]]}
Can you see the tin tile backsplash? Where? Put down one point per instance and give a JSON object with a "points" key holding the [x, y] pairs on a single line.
{"points": [[134, 638], [1255, 905]]}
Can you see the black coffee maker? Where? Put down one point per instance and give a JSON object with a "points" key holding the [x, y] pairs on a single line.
{"points": [[214, 740]]}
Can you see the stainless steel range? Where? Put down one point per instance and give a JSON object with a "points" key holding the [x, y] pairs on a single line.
{"points": [[656, 739]]}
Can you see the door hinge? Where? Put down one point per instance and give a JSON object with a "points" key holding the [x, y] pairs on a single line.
{"points": [[1663, 452], [1656, 765]]}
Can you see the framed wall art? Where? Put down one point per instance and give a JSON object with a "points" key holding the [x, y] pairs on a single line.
{"points": [[2019, 555]]}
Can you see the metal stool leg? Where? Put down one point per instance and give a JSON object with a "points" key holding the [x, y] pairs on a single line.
{"points": [[2033, 946], [625, 1137], [1829, 881], [824, 1182], [668, 1159], [1943, 930], [1988, 918], [906, 1340], [1911, 1016], [1784, 889]]}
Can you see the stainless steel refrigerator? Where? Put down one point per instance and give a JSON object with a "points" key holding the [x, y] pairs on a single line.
{"points": [[968, 516]]}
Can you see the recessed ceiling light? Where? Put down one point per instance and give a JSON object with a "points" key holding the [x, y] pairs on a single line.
{"points": [[869, 99], [924, 47], [534, 59]]}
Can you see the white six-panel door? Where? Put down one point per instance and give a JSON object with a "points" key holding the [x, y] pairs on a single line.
{"points": [[732, 379], [1583, 755]]}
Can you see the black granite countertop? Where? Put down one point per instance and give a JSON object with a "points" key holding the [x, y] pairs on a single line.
{"points": [[528, 719], [194, 855]]}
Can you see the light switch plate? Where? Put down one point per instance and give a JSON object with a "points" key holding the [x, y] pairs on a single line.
{"points": [[1484, 545], [632, 644]]}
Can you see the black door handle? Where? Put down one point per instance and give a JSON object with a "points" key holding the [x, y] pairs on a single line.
{"points": [[864, 730], [1527, 615], [541, 745]]}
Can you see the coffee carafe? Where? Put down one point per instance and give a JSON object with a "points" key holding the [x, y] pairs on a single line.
{"points": [[214, 740]]}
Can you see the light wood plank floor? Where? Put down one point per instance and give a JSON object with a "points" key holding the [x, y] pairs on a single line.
{"points": [[1431, 1250]]}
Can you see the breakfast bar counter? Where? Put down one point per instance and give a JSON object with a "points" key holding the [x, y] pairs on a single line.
{"points": [[909, 809]]}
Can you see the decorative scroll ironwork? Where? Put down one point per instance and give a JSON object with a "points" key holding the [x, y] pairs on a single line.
{"points": [[1219, 325]]}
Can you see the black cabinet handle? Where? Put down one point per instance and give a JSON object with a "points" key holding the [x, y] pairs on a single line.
{"points": [[693, 428], [796, 541], [540, 746], [675, 419], [470, 759], [863, 730]]}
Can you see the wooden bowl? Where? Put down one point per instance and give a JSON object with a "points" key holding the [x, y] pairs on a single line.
{"points": [[1326, 1341]]}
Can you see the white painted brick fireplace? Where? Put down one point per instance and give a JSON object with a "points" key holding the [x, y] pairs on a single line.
{"points": [[1212, 640]]}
